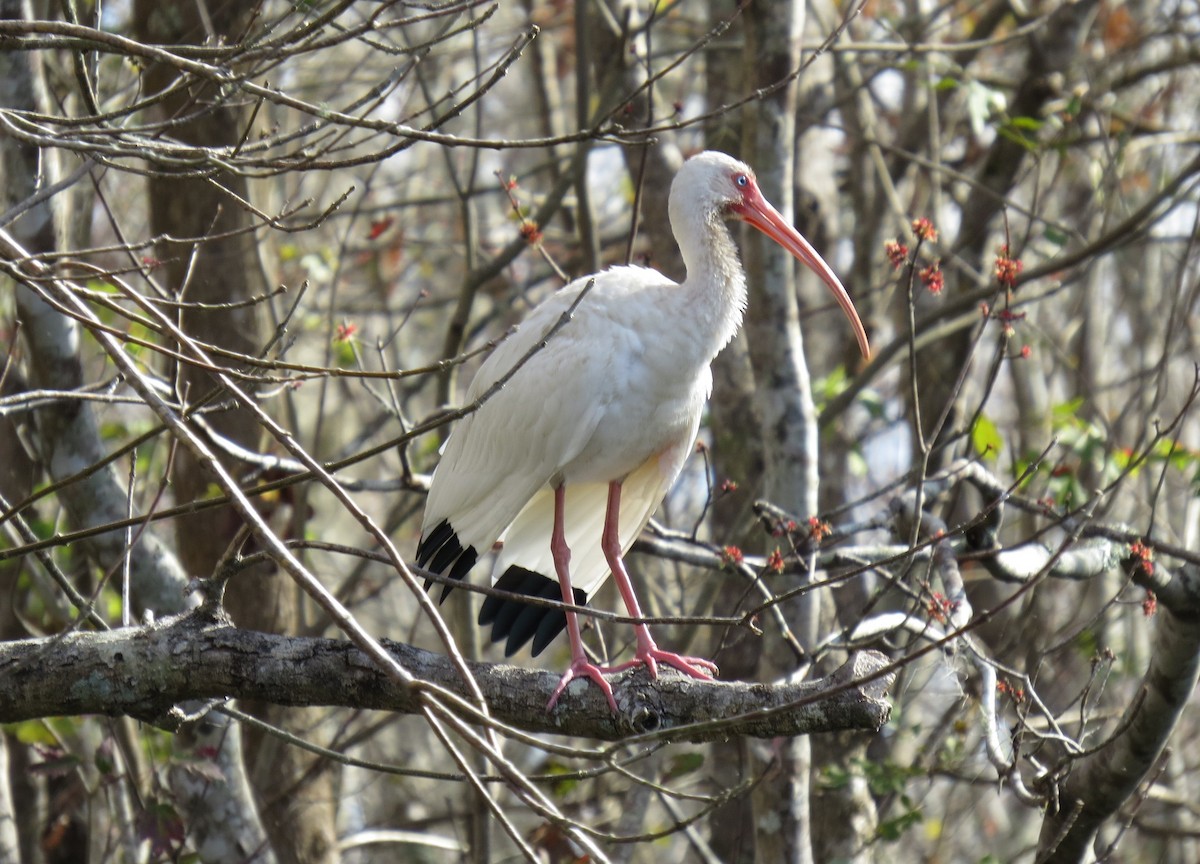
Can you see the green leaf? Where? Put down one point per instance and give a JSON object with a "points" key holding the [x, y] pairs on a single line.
{"points": [[893, 829], [1068, 410], [343, 354], [32, 732], [856, 463], [1053, 235], [986, 438], [103, 758], [684, 763], [1087, 644], [834, 777], [564, 785], [1016, 136], [112, 604], [873, 403], [1031, 124], [829, 386]]}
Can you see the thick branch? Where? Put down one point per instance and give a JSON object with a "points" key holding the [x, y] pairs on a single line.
{"points": [[146, 671]]}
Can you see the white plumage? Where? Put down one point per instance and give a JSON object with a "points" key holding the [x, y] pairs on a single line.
{"points": [[604, 415]]}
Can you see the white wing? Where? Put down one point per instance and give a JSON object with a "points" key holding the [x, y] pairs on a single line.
{"points": [[498, 457]]}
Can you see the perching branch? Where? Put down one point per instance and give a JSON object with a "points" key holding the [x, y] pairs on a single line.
{"points": [[146, 672]]}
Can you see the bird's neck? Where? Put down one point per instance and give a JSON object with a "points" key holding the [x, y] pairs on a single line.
{"points": [[715, 288]]}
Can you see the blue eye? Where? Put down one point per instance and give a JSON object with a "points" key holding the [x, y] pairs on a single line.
{"points": [[741, 180]]}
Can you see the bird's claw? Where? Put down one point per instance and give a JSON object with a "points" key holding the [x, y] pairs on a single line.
{"points": [[581, 667], [651, 656]]}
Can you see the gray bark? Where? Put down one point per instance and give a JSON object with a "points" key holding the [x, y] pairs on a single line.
{"points": [[147, 672], [783, 393]]}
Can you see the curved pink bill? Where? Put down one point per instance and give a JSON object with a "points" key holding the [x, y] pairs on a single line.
{"points": [[757, 211]]}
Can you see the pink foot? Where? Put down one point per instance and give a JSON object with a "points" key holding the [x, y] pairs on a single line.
{"points": [[581, 667], [651, 655]]}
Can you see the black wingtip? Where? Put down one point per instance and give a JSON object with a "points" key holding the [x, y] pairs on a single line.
{"points": [[519, 622], [441, 552]]}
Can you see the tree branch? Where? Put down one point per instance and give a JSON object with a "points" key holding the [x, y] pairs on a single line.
{"points": [[147, 671]]}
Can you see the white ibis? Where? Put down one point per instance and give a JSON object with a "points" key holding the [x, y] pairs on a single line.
{"points": [[561, 468]]}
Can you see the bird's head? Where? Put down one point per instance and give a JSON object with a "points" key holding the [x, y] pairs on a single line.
{"points": [[713, 185]]}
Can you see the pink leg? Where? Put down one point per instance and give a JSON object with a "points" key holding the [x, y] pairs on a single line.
{"points": [[580, 665], [647, 651]]}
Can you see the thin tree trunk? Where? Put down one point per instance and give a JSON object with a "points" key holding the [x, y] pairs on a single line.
{"points": [[736, 457], [784, 395]]}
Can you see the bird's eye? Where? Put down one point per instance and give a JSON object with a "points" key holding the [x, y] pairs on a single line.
{"points": [[741, 180]]}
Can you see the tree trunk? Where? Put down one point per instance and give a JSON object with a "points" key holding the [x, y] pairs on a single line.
{"points": [[784, 397], [737, 457]]}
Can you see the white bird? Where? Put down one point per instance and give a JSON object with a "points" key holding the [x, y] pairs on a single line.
{"points": [[562, 467]]}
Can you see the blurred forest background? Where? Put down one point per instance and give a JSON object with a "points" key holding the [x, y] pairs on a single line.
{"points": [[239, 238]]}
